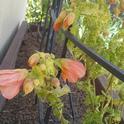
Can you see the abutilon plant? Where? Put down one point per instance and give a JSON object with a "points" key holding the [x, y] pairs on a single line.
{"points": [[42, 79]]}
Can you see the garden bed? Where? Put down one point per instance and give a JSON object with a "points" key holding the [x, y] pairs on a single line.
{"points": [[24, 110]]}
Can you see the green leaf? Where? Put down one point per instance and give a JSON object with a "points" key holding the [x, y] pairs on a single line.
{"points": [[61, 91]]}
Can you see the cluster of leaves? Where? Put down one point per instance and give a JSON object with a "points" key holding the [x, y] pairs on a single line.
{"points": [[36, 10], [104, 108], [103, 31]]}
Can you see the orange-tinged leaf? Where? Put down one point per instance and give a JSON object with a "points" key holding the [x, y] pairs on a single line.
{"points": [[112, 1], [117, 11], [122, 5], [73, 3]]}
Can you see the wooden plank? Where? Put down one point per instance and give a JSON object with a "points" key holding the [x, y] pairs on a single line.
{"points": [[11, 55], [100, 84], [10, 58]]}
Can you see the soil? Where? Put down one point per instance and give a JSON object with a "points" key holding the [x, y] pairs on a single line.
{"points": [[24, 109]]}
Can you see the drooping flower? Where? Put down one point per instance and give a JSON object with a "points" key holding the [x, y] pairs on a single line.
{"points": [[11, 81], [69, 20], [72, 70], [59, 21], [28, 86], [34, 59], [57, 25]]}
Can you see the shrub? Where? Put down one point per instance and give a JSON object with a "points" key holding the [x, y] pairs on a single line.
{"points": [[34, 11]]}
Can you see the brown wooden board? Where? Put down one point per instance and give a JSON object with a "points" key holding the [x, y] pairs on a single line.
{"points": [[9, 60]]}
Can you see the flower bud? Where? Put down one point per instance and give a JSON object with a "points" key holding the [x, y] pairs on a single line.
{"points": [[33, 60], [28, 86], [43, 67], [55, 82], [36, 82]]}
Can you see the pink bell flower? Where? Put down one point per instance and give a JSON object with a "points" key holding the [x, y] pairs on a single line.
{"points": [[11, 81], [72, 70], [69, 20], [59, 21]]}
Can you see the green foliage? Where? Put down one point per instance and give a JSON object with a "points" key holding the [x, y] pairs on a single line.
{"points": [[95, 28], [34, 11], [45, 4], [102, 109], [52, 97], [93, 118]]}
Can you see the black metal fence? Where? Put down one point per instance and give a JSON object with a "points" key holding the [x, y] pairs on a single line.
{"points": [[53, 10]]}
